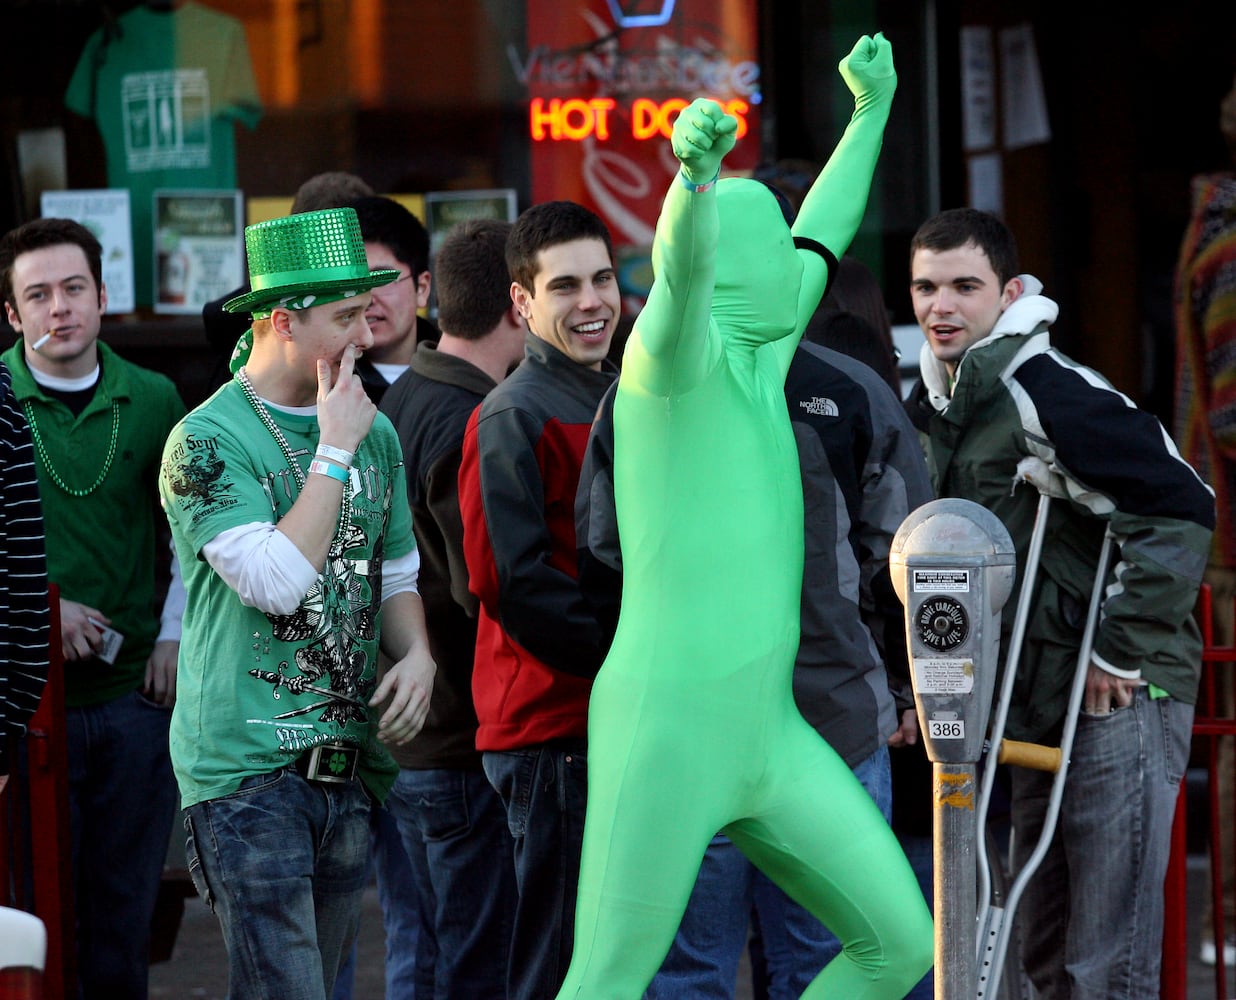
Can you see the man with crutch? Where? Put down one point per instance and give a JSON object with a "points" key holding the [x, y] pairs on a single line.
{"points": [[993, 393]]}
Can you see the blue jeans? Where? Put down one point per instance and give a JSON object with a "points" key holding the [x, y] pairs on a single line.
{"points": [[122, 801], [1099, 889], [544, 790], [703, 960], [401, 913], [455, 835], [282, 862]]}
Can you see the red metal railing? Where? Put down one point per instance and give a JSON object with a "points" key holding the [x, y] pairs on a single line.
{"points": [[1212, 720]]}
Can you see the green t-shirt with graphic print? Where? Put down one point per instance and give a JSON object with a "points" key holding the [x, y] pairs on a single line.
{"points": [[256, 690]]}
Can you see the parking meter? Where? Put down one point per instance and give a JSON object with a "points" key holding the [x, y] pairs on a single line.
{"points": [[953, 566]]}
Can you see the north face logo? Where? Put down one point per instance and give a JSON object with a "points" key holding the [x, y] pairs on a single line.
{"points": [[820, 406]]}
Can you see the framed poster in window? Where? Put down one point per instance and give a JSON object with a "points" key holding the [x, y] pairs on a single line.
{"points": [[199, 248], [443, 209]]}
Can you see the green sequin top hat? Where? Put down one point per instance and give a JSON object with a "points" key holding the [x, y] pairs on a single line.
{"points": [[303, 255]]}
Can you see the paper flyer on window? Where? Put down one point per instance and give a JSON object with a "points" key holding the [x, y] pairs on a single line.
{"points": [[105, 212]]}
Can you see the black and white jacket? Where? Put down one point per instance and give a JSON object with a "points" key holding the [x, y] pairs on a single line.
{"points": [[24, 615]]}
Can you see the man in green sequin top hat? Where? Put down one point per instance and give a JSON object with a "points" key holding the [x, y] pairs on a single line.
{"points": [[288, 505], [98, 424]]}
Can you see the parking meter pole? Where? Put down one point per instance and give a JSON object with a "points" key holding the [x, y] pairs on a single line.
{"points": [[956, 834], [953, 566]]}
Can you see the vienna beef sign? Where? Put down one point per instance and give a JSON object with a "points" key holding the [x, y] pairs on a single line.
{"points": [[605, 80]]}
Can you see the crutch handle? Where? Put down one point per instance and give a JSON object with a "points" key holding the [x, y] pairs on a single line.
{"points": [[1030, 755]]}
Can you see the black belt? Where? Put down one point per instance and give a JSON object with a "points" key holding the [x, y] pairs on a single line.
{"points": [[332, 763]]}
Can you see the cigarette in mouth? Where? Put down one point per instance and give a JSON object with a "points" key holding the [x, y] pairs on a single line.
{"points": [[42, 340]]}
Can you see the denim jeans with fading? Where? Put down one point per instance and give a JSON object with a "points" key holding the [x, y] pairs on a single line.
{"points": [[703, 960], [1099, 889], [459, 849], [122, 802], [282, 862], [401, 913], [544, 790]]}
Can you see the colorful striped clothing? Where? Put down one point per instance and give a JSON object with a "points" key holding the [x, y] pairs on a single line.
{"points": [[24, 616], [1205, 412]]}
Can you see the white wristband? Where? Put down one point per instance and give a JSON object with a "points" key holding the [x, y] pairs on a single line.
{"points": [[326, 451]]}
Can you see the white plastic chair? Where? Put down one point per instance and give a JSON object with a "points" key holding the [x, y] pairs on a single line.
{"points": [[23, 954]]}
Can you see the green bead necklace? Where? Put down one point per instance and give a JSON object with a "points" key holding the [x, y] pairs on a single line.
{"points": [[51, 469]]}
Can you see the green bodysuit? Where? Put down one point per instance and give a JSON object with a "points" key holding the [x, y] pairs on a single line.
{"points": [[692, 722]]}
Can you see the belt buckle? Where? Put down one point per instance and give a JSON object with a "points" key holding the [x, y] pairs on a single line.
{"points": [[333, 763]]}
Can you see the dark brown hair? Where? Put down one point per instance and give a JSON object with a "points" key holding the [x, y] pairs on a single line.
{"points": [[41, 233], [548, 225], [470, 275], [959, 226]]}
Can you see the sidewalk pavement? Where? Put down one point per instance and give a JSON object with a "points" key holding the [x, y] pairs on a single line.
{"points": [[197, 969]]}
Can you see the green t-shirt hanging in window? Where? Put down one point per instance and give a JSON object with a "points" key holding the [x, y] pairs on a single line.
{"points": [[165, 89]]}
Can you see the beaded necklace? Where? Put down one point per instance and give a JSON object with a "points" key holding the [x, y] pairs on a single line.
{"points": [[242, 377], [46, 458]]}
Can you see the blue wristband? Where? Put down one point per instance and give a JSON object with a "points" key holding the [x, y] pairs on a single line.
{"points": [[694, 188], [328, 469]]}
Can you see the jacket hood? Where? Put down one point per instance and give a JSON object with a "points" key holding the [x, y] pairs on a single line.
{"points": [[1030, 310]]}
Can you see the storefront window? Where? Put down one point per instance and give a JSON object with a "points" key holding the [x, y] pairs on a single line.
{"points": [[543, 99]]}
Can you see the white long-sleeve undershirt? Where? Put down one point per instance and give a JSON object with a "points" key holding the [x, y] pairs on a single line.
{"points": [[270, 573]]}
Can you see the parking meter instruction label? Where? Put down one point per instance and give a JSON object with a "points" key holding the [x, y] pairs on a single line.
{"points": [[942, 675], [941, 581]]}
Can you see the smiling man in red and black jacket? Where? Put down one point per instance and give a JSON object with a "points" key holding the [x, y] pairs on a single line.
{"points": [[538, 642]]}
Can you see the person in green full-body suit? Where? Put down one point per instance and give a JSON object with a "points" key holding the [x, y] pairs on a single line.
{"points": [[692, 722]]}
